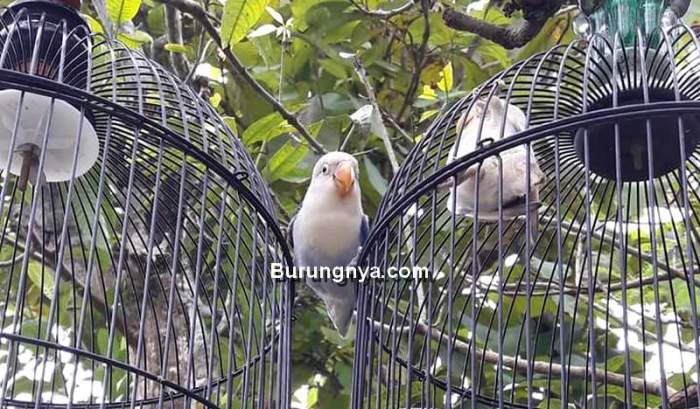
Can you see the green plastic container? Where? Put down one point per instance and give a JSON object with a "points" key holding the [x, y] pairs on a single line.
{"points": [[626, 17]]}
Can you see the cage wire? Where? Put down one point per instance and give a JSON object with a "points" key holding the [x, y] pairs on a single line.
{"points": [[136, 235], [588, 297]]}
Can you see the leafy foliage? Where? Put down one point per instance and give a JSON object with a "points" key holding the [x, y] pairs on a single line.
{"points": [[122, 11], [239, 17], [302, 52]]}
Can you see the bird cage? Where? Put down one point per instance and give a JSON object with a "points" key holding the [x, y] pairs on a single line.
{"points": [[551, 263], [136, 236]]}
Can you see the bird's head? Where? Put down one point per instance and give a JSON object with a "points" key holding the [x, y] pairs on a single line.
{"points": [[336, 172], [483, 107]]}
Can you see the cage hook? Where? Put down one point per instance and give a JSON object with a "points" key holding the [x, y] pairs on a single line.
{"points": [[241, 175], [484, 142]]}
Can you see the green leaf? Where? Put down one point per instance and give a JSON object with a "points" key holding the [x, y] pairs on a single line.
{"points": [[134, 40], [375, 177], [285, 161], [122, 11], [446, 79], [95, 26], [429, 114], [266, 128], [41, 277], [334, 68], [299, 12], [215, 99], [176, 48], [638, 399], [428, 93], [440, 34], [495, 51], [239, 17], [312, 398], [155, 20], [231, 123]]}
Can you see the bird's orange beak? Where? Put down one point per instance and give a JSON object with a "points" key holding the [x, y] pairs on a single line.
{"points": [[344, 177]]}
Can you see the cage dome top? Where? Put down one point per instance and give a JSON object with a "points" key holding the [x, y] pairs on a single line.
{"points": [[595, 144], [569, 85], [109, 76], [147, 213]]}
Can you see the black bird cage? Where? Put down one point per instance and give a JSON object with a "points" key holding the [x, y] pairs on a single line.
{"points": [[556, 210], [136, 235]]}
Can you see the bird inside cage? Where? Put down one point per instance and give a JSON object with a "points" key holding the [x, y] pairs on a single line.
{"points": [[496, 189], [492, 119]]}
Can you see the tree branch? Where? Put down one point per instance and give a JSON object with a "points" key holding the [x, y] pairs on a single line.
{"points": [[418, 60], [636, 252], [383, 13], [193, 9], [536, 15], [198, 13], [9, 263], [67, 274], [548, 368], [173, 25], [398, 127], [377, 111], [640, 385]]}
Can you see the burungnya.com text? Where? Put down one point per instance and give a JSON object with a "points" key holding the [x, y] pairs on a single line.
{"points": [[279, 271]]}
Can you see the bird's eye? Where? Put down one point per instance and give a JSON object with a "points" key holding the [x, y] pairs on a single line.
{"points": [[324, 170]]}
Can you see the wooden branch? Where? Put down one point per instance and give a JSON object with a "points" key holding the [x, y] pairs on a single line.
{"points": [[380, 13], [507, 36], [521, 365], [237, 66], [66, 274], [418, 60], [573, 372], [636, 252], [398, 128], [9, 263], [196, 11], [192, 8], [173, 30], [362, 74], [687, 398]]}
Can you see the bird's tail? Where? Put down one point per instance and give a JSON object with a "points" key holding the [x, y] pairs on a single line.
{"points": [[340, 313], [534, 225]]}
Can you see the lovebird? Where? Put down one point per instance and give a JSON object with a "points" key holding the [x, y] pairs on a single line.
{"points": [[329, 230], [514, 164]]}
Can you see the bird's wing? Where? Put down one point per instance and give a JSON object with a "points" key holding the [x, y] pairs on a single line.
{"points": [[517, 118], [364, 229], [541, 176]]}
